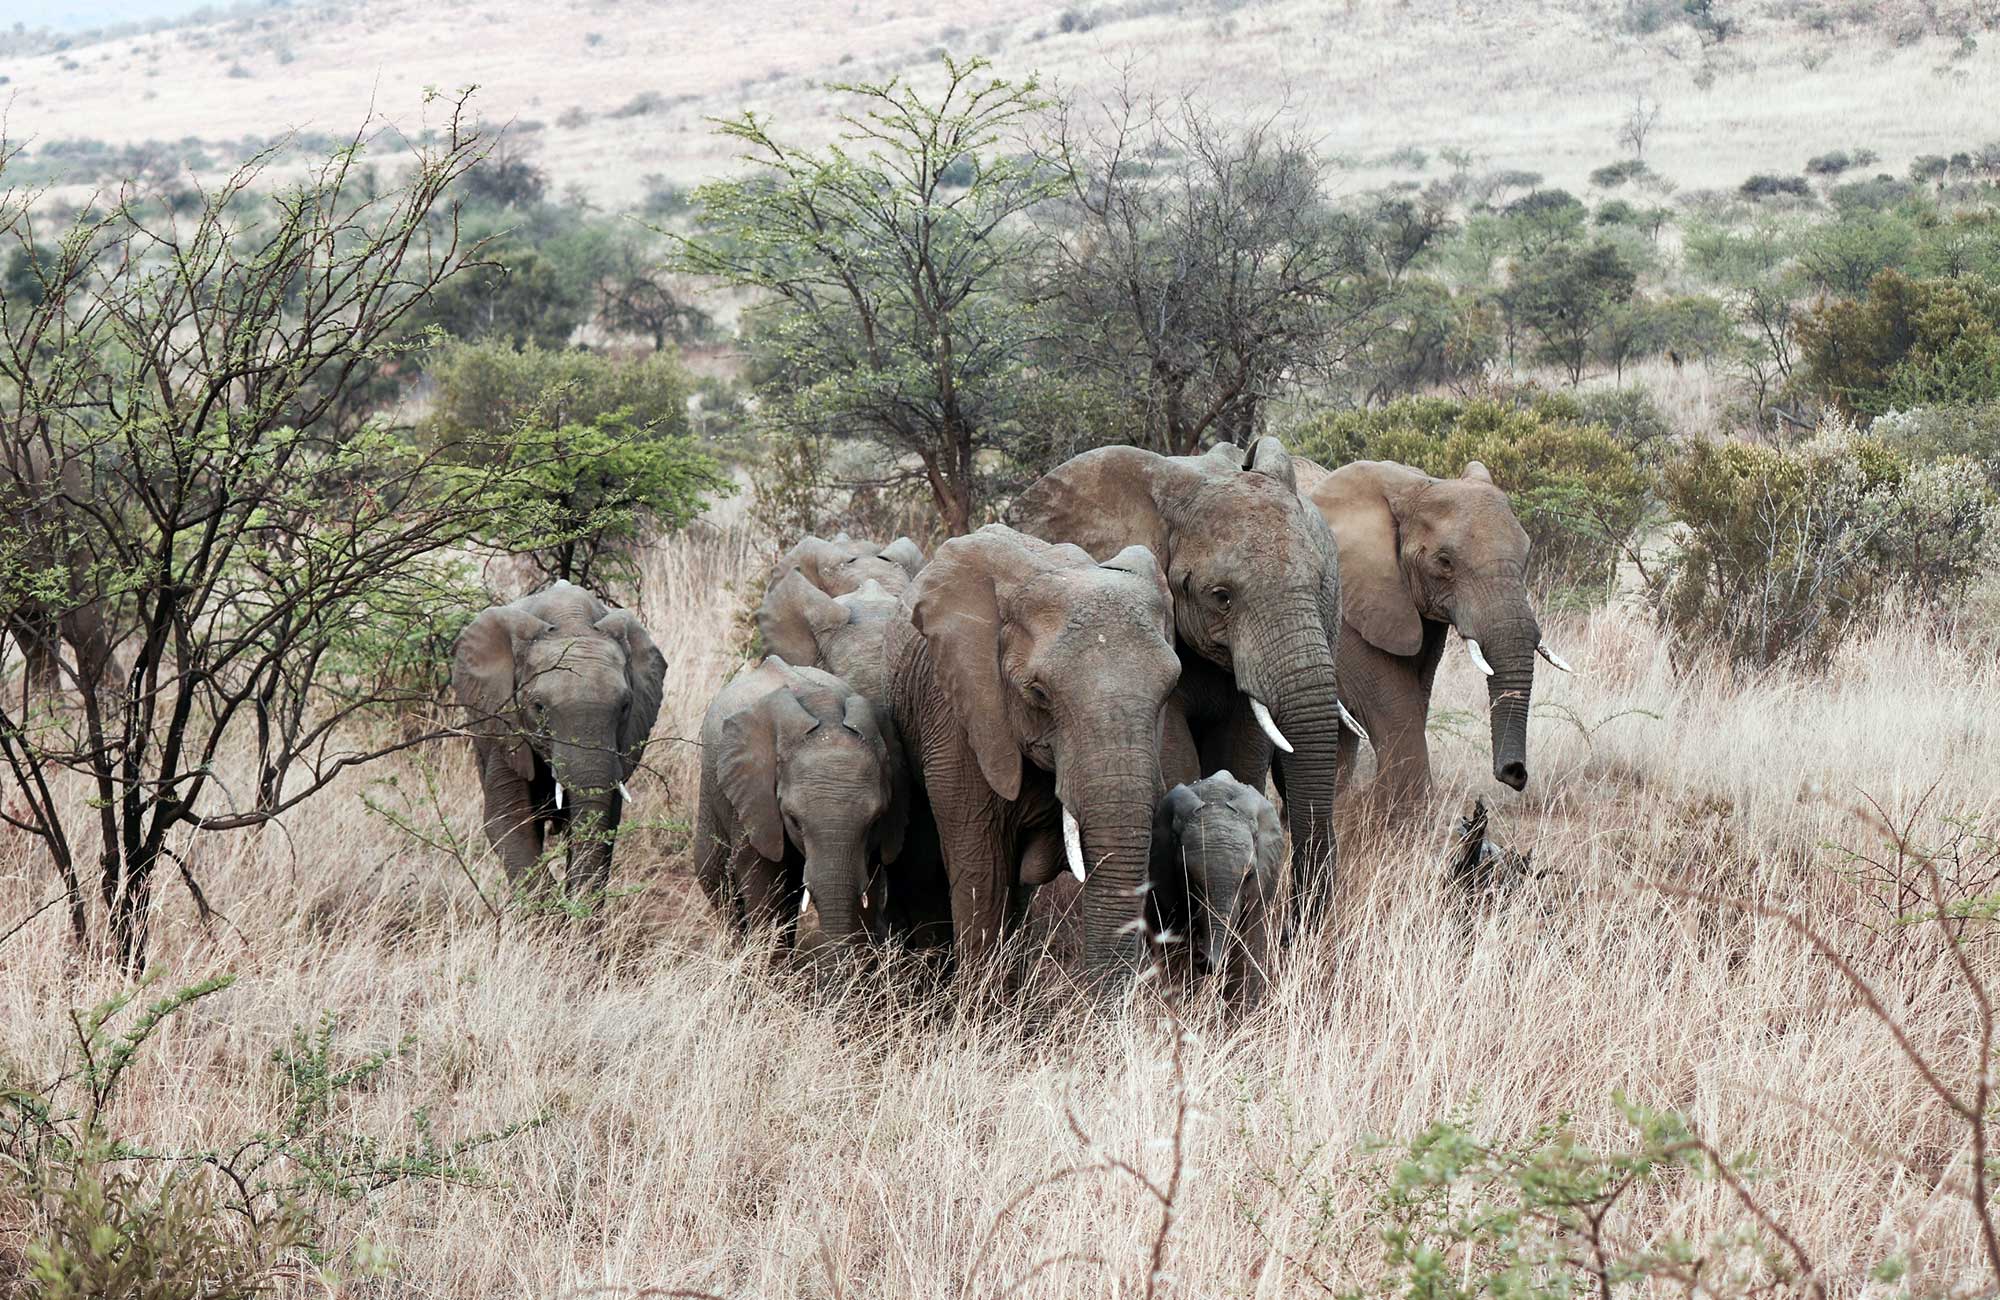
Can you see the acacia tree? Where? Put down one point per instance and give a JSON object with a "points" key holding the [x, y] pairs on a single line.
{"points": [[170, 467], [1197, 270], [888, 251]]}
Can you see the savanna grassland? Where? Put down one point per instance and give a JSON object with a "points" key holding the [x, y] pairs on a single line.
{"points": [[711, 1128], [1713, 289]]}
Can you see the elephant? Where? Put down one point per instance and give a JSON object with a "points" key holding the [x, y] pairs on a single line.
{"points": [[1030, 683], [1218, 855], [842, 634], [561, 693], [33, 500], [1255, 579], [1420, 556], [843, 564], [803, 795]]}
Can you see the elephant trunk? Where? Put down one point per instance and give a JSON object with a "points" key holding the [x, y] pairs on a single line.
{"points": [[835, 874], [588, 772], [1291, 669], [1507, 638], [1112, 793]]}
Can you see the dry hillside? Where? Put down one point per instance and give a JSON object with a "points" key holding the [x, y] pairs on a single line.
{"points": [[1519, 84]]}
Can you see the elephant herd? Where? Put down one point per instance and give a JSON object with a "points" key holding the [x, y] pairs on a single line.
{"points": [[1104, 684]]}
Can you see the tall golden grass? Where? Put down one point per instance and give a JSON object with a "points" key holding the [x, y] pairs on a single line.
{"points": [[717, 1128]]}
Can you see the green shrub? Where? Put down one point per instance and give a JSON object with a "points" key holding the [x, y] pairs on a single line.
{"points": [[1780, 552], [599, 450], [1578, 491], [1766, 186], [1907, 343], [1926, 433]]}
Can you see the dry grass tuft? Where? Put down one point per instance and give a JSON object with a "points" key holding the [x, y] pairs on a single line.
{"points": [[719, 1129]]}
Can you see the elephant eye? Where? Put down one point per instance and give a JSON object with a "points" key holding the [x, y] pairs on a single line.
{"points": [[1221, 595], [1444, 560], [1037, 696]]}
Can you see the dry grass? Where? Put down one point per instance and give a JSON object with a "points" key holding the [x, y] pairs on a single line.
{"points": [[1521, 84], [718, 1129]]}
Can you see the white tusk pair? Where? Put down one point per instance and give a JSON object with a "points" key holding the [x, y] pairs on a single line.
{"points": [[1478, 657], [1555, 660], [558, 796], [1348, 720], [1073, 844], [1264, 720]]}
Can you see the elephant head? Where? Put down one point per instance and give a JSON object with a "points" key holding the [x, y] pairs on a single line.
{"points": [[562, 693], [839, 566], [1217, 854], [842, 634], [806, 763], [1256, 590], [1415, 549], [1048, 659]]}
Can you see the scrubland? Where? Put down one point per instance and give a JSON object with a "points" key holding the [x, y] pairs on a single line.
{"points": [[711, 1127]]}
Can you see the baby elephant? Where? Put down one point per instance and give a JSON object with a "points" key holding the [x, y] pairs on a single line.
{"points": [[1217, 854], [803, 798]]}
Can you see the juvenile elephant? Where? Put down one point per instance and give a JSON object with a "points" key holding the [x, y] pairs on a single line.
{"points": [[842, 634], [561, 694], [1420, 556], [1256, 606], [1218, 851], [1029, 683], [803, 792], [843, 564]]}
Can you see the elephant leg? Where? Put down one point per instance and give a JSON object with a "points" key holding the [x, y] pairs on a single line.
{"points": [[1388, 696], [981, 882], [711, 853], [1180, 758], [511, 825], [770, 897], [1239, 746]]}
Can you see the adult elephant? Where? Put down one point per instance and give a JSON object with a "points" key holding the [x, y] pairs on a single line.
{"points": [[803, 792], [1420, 556], [1256, 592], [842, 634], [839, 566], [1029, 683], [561, 693]]}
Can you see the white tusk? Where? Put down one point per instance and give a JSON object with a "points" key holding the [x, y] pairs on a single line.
{"points": [[1555, 660], [1263, 716], [1073, 844], [1347, 720], [805, 899], [623, 793], [558, 796], [1478, 658]]}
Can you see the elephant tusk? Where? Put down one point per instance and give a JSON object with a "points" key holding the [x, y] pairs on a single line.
{"points": [[805, 899], [1555, 660], [623, 793], [1348, 720], [1478, 657], [1263, 716], [558, 796], [1073, 844]]}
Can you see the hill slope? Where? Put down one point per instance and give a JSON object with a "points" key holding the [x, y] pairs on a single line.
{"points": [[1521, 85]]}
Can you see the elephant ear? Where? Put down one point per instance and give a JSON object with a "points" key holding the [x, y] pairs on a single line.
{"points": [[906, 553], [807, 556], [645, 674], [1140, 563], [860, 717], [1358, 501], [957, 611], [483, 676], [1104, 501], [752, 739], [793, 615], [1477, 472], [1268, 456]]}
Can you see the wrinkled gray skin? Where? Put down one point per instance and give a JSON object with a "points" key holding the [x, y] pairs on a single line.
{"points": [[1218, 860], [561, 690], [1256, 588], [802, 790], [1420, 557], [1028, 678], [842, 565], [844, 635]]}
